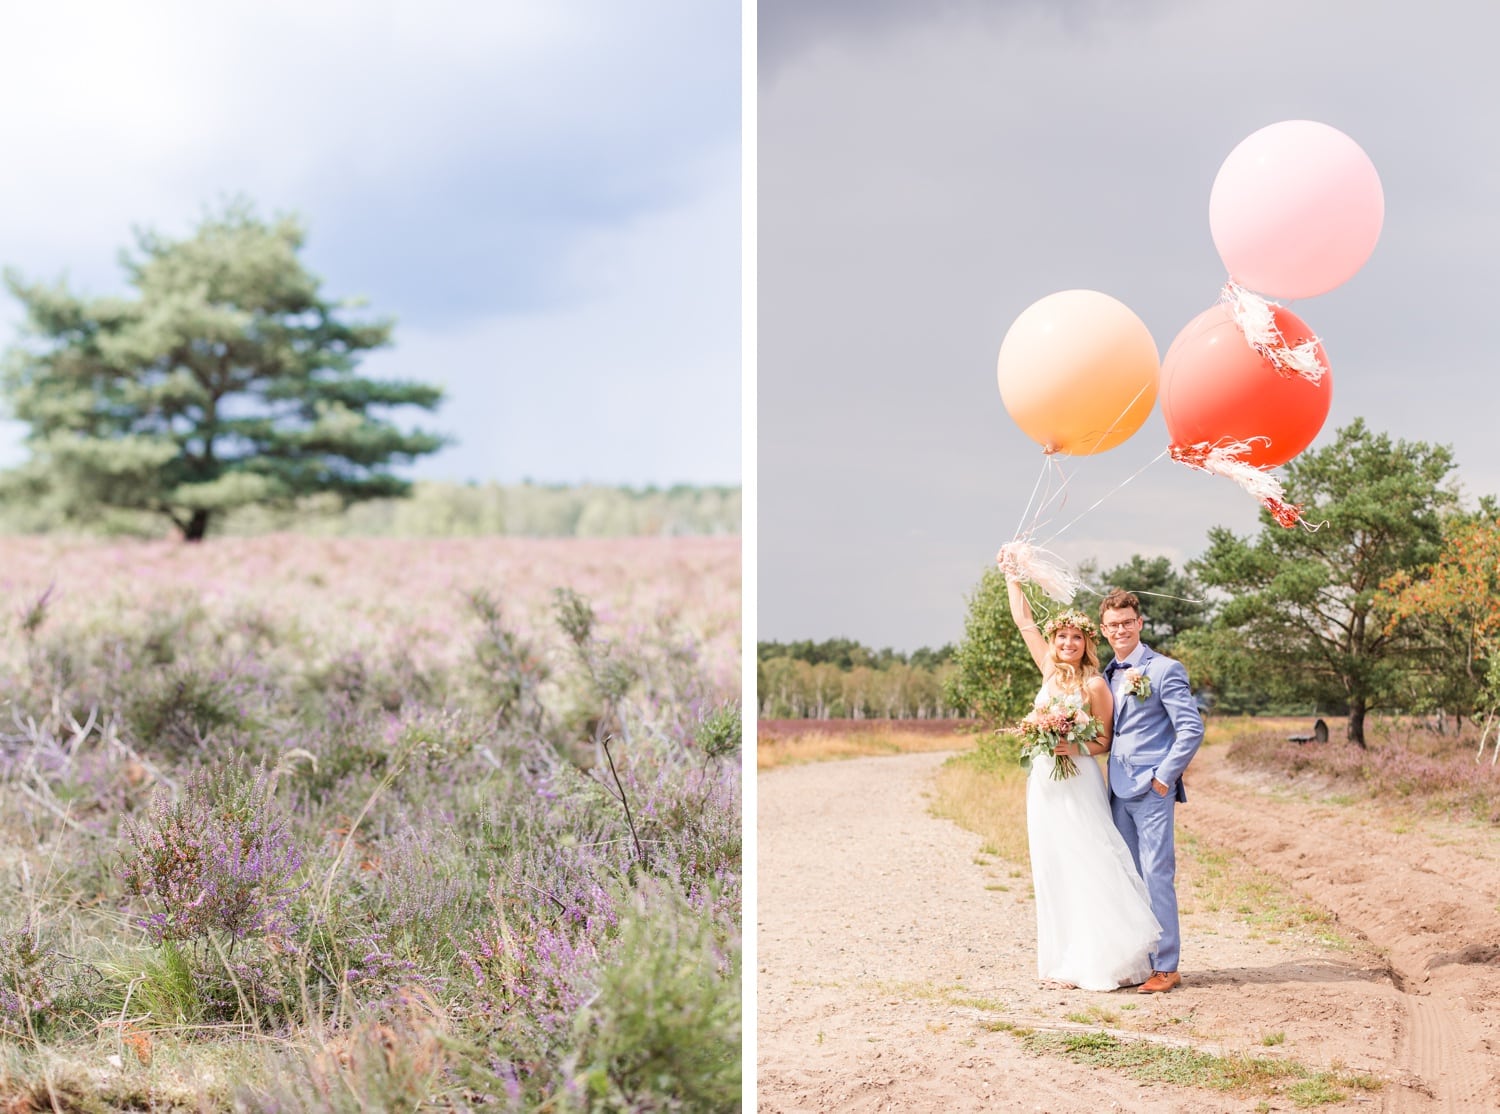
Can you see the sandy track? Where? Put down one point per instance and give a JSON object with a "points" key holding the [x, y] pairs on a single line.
{"points": [[886, 945]]}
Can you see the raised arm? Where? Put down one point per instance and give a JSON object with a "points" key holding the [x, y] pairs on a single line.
{"points": [[1020, 611]]}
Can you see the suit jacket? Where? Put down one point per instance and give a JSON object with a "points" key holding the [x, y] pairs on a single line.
{"points": [[1158, 736]]}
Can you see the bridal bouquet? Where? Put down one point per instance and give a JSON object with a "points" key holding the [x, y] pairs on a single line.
{"points": [[1062, 719]]}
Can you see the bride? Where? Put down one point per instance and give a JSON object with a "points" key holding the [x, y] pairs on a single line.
{"points": [[1094, 924]]}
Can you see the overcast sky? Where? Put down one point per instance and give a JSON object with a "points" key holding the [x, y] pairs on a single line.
{"points": [[927, 171], [544, 195]]}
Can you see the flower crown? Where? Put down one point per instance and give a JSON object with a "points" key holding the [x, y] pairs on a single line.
{"points": [[1070, 618]]}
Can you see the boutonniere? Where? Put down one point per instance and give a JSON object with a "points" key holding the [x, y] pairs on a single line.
{"points": [[1137, 684]]}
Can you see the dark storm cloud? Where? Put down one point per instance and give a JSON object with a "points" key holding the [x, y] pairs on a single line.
{"points": [[924, 178]]}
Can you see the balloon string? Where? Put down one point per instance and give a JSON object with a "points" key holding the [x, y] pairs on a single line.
{"points": [[1107, 495], [1166, 596], [1036, 520], [1143, 592], [1038, 512], [1040, 476], [1059, 496]]}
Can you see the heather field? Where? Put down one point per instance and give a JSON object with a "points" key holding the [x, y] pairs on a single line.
{"points": [[295, 823]]}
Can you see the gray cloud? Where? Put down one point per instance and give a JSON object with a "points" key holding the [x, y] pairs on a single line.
{"points": [[789, 29]]}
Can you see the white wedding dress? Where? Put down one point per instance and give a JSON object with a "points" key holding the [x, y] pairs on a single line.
{"points": [[1094, 925]]}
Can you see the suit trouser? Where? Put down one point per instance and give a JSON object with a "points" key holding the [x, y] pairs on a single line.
{"points": [[1147, 824]]}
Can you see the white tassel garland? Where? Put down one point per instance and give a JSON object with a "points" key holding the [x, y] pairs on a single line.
{"points": [[1257, 321], [1041, 567], [1228, 461]]}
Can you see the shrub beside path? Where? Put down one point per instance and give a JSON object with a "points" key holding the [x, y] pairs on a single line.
{"points": [[894, 956]]}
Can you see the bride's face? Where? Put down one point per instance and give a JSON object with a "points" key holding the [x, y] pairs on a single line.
{"points": [[1069, 644]]}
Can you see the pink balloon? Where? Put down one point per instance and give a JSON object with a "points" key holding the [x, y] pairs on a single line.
{"points": [[1295, 210]]}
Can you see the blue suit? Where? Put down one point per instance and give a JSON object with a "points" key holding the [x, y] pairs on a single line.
{"points": [[1155, 738]]}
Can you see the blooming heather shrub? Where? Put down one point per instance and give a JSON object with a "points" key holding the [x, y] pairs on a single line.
{"points": [[692, 820], [423, 886], [30, 980], [528, 969], [1406, 763], [444, 823], [219, 858]]}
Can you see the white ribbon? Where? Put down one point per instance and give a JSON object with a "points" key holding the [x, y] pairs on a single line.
{"points": [[1041, 567], [1257, 321]]}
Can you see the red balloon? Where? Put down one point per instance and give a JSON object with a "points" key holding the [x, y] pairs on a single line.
{"points": [[1215, 387]]}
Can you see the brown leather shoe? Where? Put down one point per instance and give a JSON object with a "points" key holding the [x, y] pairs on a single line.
{"points": [[1160, 982]]}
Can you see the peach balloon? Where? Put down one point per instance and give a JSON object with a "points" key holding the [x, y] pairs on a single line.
{"points": [[1295, 209], [1077, 372], [1216, 388]]}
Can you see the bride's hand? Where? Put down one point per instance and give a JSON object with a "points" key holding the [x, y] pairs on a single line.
{"points": [[1069, 749]]}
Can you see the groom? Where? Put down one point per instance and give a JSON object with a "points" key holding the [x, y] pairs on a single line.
{"points": [[1157, 731]]}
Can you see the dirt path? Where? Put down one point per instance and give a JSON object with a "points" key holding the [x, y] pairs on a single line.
{"points": [[889, 947]]}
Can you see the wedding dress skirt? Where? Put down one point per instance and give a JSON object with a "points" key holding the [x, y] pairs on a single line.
{"points": [[1094, 925]]}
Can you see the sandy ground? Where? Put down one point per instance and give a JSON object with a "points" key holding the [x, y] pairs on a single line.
{"points": [[888, 947]]}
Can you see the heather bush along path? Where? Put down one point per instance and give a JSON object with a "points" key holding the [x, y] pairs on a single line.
{"points": [[361, 824], [897, 963]]}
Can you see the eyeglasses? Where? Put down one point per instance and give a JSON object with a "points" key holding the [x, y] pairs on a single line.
{"points": [[1111, 628]]}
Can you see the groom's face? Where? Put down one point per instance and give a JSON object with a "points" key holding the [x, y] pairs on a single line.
{"points": [[1122, 626]]}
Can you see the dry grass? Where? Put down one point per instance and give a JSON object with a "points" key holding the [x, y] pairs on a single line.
{"points": [[794, 742], [789, 742], [1228, 729], [992, 804], [1215, 880], [1408, 769]]}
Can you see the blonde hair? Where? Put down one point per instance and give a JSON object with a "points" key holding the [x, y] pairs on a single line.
{"points": [[1067, 677]]}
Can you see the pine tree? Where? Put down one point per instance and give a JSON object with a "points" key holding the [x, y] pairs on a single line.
{"points": [[227, 381]]}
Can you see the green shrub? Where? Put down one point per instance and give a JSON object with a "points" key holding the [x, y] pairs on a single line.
{"points": [[664, 1030]]}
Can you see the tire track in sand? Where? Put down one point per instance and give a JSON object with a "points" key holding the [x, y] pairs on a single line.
{"points": [[1427, 898]]}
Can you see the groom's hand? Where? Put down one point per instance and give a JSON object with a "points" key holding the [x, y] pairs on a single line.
{"points": [[1160, 788]]}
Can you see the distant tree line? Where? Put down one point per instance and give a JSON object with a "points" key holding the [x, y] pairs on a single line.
{"points": [[840, 678], [438, 509], [847, 654]]}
